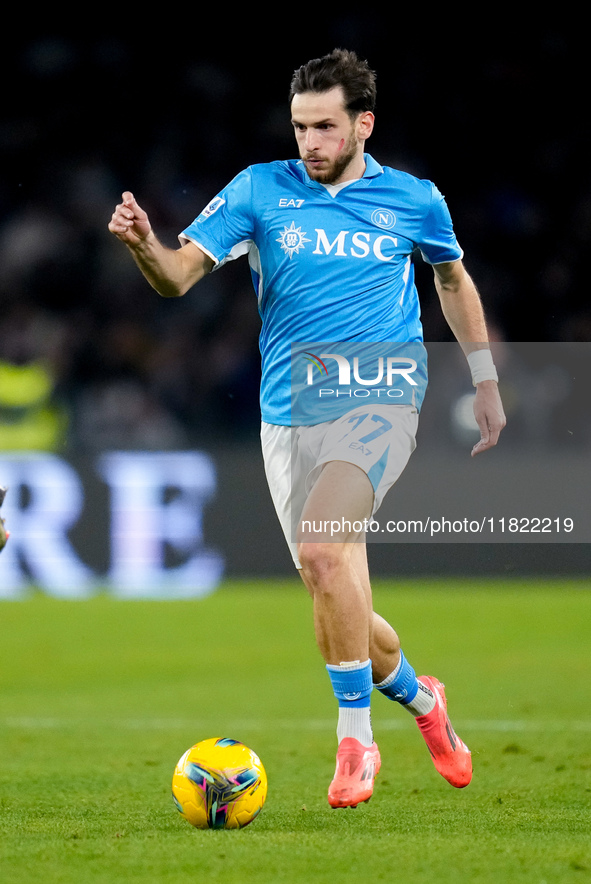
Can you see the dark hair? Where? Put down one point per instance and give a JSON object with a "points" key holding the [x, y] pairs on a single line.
{"points": [[341, 67]]}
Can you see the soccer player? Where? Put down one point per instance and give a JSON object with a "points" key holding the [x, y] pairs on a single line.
{"points": [[329, 239]]}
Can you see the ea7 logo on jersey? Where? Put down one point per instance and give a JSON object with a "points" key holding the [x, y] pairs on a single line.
{"points": [[285, 203]]}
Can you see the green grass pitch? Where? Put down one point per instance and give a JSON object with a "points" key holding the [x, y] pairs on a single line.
{"points": [[98, 700]]}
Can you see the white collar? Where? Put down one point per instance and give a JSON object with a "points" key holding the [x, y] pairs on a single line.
{"points": [[333, 189]]}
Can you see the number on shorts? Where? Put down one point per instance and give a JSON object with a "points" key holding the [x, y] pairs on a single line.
{"points": [[377, 418], [386, 425]]}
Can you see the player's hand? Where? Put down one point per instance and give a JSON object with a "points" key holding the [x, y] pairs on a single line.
{"points": [[4, 535], [129, 222], [489, 414]]}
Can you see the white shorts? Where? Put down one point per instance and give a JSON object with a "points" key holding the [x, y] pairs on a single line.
{"points": [[379, 440]]}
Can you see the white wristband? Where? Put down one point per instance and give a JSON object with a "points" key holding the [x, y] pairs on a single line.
{"points": [[482, 366]]}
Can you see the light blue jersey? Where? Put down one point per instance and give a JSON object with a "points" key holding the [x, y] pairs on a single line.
{"points": [[326, 264]]}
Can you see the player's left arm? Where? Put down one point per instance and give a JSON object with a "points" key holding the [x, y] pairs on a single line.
{"points": [[464, 314]]}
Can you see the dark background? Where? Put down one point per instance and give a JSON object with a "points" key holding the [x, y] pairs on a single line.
{"points": [[492, 109]]}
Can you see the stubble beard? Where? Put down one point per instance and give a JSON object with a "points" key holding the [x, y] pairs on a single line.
{"points": [[338, 167]]}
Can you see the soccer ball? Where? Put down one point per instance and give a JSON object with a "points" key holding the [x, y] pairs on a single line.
{"points": [[219, 784]]}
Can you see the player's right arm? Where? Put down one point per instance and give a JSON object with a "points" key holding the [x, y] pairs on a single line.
{"points": [[171, 272]]}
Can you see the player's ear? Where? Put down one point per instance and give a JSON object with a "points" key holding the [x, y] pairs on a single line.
{"points": [[365, 124]]}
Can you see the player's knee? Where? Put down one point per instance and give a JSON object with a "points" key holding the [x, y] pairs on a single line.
{"points": [[321, 564]]}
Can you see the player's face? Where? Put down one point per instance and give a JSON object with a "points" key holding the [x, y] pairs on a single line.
{"points": [[330, 143]]}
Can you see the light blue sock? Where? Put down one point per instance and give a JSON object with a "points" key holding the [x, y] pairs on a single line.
{"points": [[352, 686], [351, 683], [403, 686]]}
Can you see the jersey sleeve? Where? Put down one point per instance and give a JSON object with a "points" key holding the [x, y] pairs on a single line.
{"points": [[438, 243], [224, 229]]}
